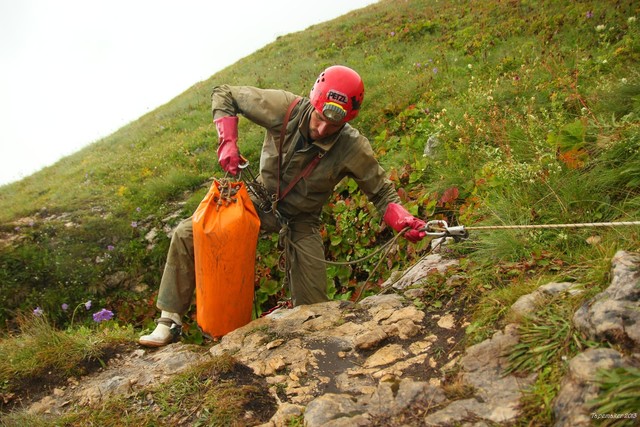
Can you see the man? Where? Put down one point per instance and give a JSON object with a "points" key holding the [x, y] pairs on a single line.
{"points": [[317, 131]]}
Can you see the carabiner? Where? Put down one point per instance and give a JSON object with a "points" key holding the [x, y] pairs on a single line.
{"points": [[440, 228], [245, 163], [436, 228]]}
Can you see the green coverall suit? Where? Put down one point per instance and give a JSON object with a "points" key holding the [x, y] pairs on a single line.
{"points": [[346, 153]]}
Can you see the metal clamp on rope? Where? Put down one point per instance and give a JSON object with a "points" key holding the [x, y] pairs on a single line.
{"points": [[458, 233], [440, 228]]}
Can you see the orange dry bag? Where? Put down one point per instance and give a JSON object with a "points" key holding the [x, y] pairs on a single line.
{"points": [[225, 235]]}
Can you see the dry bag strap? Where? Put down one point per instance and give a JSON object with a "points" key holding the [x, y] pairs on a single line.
{"points": [[283, 131]]}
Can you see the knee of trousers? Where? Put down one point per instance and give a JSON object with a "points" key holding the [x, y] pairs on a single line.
{"points": [[184, 230], [308, 276], [181, 242]]}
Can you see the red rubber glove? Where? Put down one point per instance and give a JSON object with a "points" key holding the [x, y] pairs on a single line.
{"points": [[228, 155], [398, 218]]}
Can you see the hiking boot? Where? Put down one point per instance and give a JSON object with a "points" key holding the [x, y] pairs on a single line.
{"points": [[168, 331]]}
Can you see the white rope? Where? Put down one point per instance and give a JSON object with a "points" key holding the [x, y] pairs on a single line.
{"points": [[578, 225]]}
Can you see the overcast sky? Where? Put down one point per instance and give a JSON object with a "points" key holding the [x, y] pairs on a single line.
{"points": [[74, 71]]}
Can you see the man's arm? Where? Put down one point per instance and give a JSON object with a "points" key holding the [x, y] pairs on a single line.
{"points": [[265, 107], [372, 180]]}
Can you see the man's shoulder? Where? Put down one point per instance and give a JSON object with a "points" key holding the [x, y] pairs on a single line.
{"points": [[351, 133]]}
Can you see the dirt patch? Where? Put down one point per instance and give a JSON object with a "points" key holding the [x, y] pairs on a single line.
{"points": [[448, 326], [449, 341], [334, 360], [448, 307], [261, 405]]}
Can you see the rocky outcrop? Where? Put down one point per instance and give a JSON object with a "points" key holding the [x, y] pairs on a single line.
{"points": [[125, 375], [384, 359], [612, 316], [580, 386], [334, 347], [527, 304], [419, 271], [344, 364], [496, 395]]}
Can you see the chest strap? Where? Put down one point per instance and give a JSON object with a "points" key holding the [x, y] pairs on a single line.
{"points": [[305, 172], [283, 132]]}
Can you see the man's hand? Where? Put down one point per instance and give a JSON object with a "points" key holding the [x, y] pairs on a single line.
{"points": [[398, 218], [228, 155]]}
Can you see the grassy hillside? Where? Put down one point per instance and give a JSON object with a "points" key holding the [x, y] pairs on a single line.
{"points": [[534, 105], [530, 109]]}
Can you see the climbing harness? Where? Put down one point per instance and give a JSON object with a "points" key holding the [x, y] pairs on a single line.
{"points": [[268, 203], [283, 132]]}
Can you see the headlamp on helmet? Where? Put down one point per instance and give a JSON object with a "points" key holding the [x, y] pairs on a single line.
{"points": [[334, 112], [338, 94]]}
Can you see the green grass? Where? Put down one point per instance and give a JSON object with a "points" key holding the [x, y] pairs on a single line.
{"points": [[42, 352], [547, 339], [536, 107], [620, 394]]}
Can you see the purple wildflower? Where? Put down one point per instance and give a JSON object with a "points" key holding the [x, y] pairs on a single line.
{"points": [[38, 311], [435, 70], [138, 209], [102, 315], [110, 247], [589, 14], [87, 305], [134, 224], [64, 306]]}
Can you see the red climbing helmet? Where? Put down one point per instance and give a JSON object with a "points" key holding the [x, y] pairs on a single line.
{"points": [[338, 94]]}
